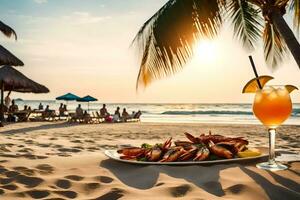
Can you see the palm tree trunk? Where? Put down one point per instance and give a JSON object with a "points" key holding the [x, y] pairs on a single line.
{"points": [[287, 35]]}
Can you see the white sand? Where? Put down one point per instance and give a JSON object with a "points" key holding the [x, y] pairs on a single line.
{"points": [[65, 161]]}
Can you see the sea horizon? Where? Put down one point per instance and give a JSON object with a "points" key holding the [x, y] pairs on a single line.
{"points": [[219, 113]]}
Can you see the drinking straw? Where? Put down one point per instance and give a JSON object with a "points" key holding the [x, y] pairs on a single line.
{"points": [[255, 71]]}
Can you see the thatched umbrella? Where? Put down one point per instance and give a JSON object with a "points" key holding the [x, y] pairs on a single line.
{"points": [[7, 58], [13, 80]]}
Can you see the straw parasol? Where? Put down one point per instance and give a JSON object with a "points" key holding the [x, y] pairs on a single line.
{"points": [[13, 80], [7, 58], [88, 99]]}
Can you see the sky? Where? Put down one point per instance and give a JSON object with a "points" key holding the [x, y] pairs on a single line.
{"points": [[83, 46]]}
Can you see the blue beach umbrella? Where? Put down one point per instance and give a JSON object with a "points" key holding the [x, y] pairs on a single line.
{"points": [[88, 99], [68, 97]]}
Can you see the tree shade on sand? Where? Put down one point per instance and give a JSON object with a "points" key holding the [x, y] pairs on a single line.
{"points": [[166, 41]]}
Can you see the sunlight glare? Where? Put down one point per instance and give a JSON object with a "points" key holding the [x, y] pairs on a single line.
{"points": [[205, 51]]}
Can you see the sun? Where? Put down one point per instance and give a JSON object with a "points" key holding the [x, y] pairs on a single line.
{"points": [[205, 51]]}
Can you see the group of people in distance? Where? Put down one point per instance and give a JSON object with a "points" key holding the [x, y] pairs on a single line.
{"points": [[117, 116]]}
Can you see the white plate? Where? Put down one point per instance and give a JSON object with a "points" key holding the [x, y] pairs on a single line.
{"points": [[115, 156]]}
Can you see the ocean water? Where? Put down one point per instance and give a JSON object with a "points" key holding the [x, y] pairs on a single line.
{"points": [[178, 113]]}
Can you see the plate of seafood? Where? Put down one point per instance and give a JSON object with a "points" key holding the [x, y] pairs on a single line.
{"points": [[204, 149]]}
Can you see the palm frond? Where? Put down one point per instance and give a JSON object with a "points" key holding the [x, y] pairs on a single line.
{"points": [[247, 22], [295, 8], [275, 48], [7, 31], [166, 40]]}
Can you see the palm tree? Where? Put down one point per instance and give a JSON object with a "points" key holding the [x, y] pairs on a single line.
{"points": [[166, 40], [7, 31], [6, 57]]}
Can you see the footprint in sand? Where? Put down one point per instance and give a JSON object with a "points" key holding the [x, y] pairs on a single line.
{"points": [[76, 141], [45, 169], [24, 170], [63, 154], [28, 181], [90, 141], [88, 187], [44, 145], [72, 150], [104, 179], [1, 192], [114, 194], [74, 177], [38, 194], [4, 181], [33, 157], [10, 187], [67, 193], [62, 183], [2, 169], [180, 191], [11, 174]]}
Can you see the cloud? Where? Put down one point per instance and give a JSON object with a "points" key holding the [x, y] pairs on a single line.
{"points": [[40, 1], [80, 17]]}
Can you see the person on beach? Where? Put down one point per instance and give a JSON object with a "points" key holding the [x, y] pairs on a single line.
{"points": [[48, 113], [79, 111], [137, 115], [61, 109], [65, 108], [7, 100], [103, 111], [125, 115], [86, 117], [117, 115], [25, 108], [117, 112], [13, 107], [41, 107]]}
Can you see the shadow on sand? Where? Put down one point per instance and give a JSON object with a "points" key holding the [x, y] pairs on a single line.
{"points": [[205, 177], [146, 176], [51, 125], [291, 189]]}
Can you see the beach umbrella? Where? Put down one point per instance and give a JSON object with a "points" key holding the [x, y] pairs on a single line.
{"points": [[13, 80], [68, 97], [87, 99], [7, 58]]}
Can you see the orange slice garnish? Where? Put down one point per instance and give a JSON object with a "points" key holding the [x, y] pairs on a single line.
{"points": [[291, 88], [252, 85]]}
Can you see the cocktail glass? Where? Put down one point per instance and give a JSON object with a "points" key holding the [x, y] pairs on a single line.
{"points": [[272, 106]]}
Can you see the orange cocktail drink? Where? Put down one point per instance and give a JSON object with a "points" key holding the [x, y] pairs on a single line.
{"points": [[272, 105]]}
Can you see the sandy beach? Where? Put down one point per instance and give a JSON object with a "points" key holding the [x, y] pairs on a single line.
{"points": [[45, 160]]}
